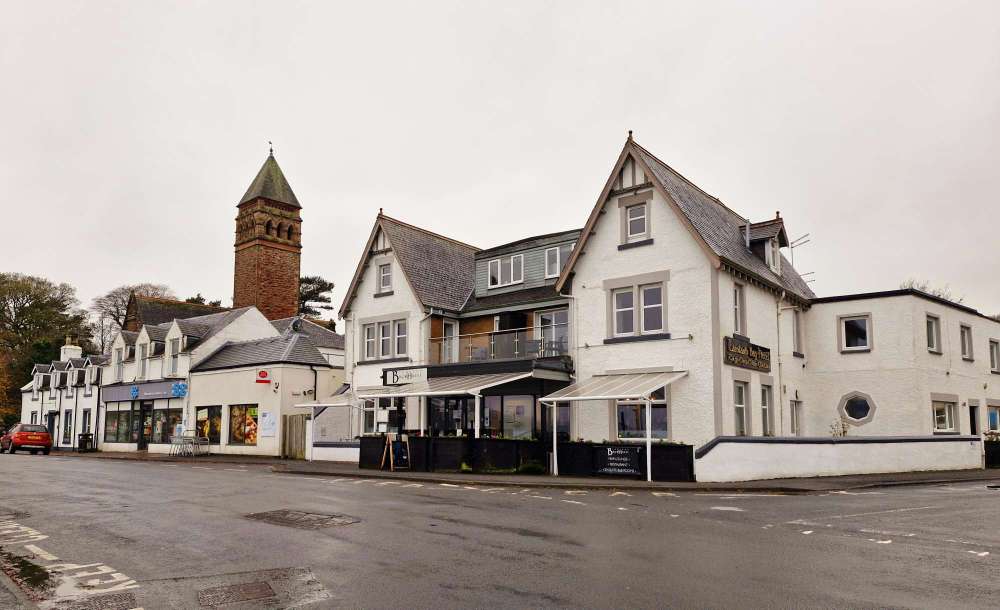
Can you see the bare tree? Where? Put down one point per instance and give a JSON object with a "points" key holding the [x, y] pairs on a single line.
{"points": [[108, 311], [942, 292]]}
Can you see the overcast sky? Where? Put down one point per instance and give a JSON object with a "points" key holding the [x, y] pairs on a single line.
{"points": [[131, 130]]}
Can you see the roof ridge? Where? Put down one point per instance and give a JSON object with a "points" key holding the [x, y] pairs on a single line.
{"points": [[382, 216], [180, 302], [687, 180], [529, 238]]}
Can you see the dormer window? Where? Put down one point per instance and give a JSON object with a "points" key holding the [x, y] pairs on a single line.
{"points": [[506, 271], [772, 254], [552, 266]]}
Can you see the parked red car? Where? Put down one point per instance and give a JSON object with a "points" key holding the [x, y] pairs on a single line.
{"points": [[31, 437]]}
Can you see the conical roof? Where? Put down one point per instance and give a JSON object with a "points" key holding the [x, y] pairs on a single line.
{"points": [[270, 184]]}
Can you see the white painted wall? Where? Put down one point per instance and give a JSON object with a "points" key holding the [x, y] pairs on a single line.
{"points": [[730, 462]]}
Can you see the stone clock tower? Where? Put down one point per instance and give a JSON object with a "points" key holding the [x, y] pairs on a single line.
{"points": [[268, 245]]}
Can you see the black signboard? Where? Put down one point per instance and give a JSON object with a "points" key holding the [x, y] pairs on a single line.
{"points": [[400, 455], [740, 352], [621, 460]]}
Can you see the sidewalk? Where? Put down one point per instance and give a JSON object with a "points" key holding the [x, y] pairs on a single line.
{"points": [[351, 470]]}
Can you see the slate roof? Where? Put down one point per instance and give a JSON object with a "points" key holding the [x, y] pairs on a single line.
{"points": [[768, 230], [510, 299], [99, 359], [320, 337], [155, 311], [270, 183], [158, 332], [289, 348], [60, 365], [528, 243], [41, 368], [442, 271], [211, 323], [129, 337], [77, 363], [720, 227], [193, 329]]}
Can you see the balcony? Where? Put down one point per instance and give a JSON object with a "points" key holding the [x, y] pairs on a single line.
{"points": [[550, 341]]}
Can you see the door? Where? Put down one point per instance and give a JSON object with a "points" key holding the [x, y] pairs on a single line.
{"points": [[145, 425], [449, 346], [974, 419], [295, 436], [50, 423]]}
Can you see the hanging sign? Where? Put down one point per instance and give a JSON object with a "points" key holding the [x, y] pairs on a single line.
{"points": [[746, 355], [263, 376]]}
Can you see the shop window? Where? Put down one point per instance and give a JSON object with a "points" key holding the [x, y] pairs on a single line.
{"points": [[562, 421], [517, 416], [855, 333], [632, 417], [965, 335], [243, 424], [933, 334], [368, 417], [740, 408], [117, 426], [209, 423], [944, 416]]}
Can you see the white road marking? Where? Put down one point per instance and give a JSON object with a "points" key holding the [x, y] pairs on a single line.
{"points": [[573, 502], [859, 493], [880, 541], [620, 493], [384, 483], [447, 485], [47, 556], [983, 554], [807, 532], [413, 485], [202, 468], [622, 508], [675, 516], [491, 490], [337, 480], [540, 497], [470, 487], [882, 512], [661, 494], [729, 508], [235, 469], [575, 492]]}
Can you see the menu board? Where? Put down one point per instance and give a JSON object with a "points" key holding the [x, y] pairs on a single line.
{"points": [[622, 460]]}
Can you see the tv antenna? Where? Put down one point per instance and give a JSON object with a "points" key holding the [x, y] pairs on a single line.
{"points": [[795, 243]]}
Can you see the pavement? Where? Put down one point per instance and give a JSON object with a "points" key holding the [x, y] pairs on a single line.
{"points": [[796, 485], [122, 534]]}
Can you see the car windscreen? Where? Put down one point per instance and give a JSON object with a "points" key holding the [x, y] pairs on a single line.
{"points": [[31, 428]]}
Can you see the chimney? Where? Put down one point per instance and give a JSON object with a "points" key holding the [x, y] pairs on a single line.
{"points": [[69, 350]]}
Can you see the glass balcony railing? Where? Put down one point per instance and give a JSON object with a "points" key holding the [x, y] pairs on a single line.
{"points": [[516, 344]]}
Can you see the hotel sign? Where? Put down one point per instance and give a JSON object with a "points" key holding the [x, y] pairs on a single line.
{"points": [[746, 355], [403, 376]]}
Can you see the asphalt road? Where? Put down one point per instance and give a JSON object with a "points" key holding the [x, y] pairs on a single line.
{"points": [[117, 534]]}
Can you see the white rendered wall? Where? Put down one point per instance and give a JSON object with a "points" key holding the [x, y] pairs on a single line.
{"points": [[729, 462]]}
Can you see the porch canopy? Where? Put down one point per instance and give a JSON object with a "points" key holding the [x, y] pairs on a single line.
{"points": [[614, 386]]}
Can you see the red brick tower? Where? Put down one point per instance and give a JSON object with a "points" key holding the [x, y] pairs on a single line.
{"points": [[268, 245]]}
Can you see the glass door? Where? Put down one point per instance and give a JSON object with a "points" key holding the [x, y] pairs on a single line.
{"points": [[145, 426]]}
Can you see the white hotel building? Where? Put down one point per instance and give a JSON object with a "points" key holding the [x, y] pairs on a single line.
{"points": [[668, 298]]}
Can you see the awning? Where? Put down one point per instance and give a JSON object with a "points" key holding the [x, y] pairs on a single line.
{"points": [[619, 386], [443, 386]]}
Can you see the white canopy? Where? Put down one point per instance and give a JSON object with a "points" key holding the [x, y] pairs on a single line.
{"points": [[621, 386], [443, 386]]}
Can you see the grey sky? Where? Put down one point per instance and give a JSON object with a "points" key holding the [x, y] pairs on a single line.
{"points": [[130, 130]]}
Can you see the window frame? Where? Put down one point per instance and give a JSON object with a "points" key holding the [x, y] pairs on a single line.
{"points": [[795, 416], [384, 274], [643, 307], [933, 328], [629, 235], [385, 339], [640, 405], [141, 358], [549, 274], [842, 333], [992, 418], [741, 409], [369, 344], [175, 355], [119, 364], [739, 309], [246, 408], [950, 415], [397, 336], [615, 330], [994, 355], [767, 409], [503, 263], [966, 342]]}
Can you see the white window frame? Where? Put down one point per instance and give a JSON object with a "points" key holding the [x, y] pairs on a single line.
{"points": [[617, 332], [644, 307], [797, 330], [508, 264], [739, 310], [385, 277], [966, 341], [989, 421], [842, 321], [141, 359], [795, 408], [933, 325], [654, 403], [119, 364], [949, 413], [369, 341], [450, 343], [767, 410], [741, 389], [645, 221], [554, 270], [175, 355], [385, 339], [398, 336], [995, 355]]}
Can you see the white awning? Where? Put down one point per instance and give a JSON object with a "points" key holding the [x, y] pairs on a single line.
{"points": [[619, 386], [443, 386]]}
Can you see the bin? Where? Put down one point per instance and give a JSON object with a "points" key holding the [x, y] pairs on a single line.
{"points": [[85, 443]]}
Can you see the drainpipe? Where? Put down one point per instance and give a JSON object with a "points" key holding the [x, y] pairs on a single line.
{"points": [[781, 386]]}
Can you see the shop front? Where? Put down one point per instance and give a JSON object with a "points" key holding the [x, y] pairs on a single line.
{"points": [[142, 417]]}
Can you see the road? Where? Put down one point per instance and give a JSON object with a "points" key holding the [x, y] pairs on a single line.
{"points": [[122, 534]]}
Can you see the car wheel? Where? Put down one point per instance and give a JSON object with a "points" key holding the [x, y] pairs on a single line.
{"points": [[46, 451], [34, 452], [12, 448]]}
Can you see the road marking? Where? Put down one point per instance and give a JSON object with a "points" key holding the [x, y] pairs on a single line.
{"points": [[729, 508], [491, 490], [47, 556], [675, 516], [337, 480], [573, 502], [540, 497], [575, 492], [384, 483], [983, 554], [807, 532], [620, 493], [470, 487], [235, 469], [202, 468], [660, 494], [622, 508], [413, 485], [362, 481], [447, 485]]}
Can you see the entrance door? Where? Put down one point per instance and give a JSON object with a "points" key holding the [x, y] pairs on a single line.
{"points": [[50, 423], [145, 425], [295, 436], [973, 419]]}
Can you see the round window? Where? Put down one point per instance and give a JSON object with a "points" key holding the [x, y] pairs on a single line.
{"points": [[857, 408]]}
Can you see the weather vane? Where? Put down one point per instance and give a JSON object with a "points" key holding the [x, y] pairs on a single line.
{"points": [[270, 146]]}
